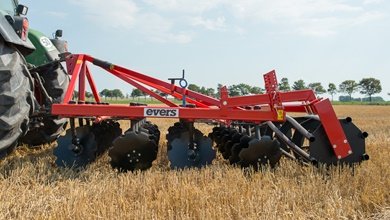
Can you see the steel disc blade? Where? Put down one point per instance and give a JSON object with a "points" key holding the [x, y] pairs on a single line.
{"points": [[68, 158], [262, 152], [322, 150], [229, 145], [236, 149], [179, 154], [105, 132], [153, 131], [206, 152], [174, 132], [132, 151]]}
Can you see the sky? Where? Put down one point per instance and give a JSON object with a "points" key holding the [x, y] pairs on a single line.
{"points": [[226, 41]]}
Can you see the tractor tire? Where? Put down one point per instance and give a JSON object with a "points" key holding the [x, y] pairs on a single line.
{"points": [[16, 97], [56, 81]]}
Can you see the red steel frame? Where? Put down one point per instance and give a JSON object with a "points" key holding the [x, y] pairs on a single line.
{"points": [[274, 104]]}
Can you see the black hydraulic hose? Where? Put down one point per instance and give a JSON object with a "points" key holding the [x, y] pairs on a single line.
{"points": [[103, 64]]}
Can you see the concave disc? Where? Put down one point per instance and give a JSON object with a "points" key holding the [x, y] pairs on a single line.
{"points": [[179, 154], [66, 157], [264, 151], [133, 151], [236, 149]]}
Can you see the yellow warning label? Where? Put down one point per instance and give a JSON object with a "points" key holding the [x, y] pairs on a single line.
{"points": [[79, 62], [280, 113]]}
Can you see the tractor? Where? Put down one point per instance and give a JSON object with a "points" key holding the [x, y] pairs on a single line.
{"points": [[32, 78]]}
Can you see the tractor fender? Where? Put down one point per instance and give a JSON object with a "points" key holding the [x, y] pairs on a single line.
{"points": [[9, 35], [45, 52]]}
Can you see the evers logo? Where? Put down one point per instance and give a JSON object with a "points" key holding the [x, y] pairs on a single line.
{"points": [[161, 112]]}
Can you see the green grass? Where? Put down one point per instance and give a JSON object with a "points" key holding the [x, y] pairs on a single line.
{"points": [[360, 103], [137, 100], [149, 100]]}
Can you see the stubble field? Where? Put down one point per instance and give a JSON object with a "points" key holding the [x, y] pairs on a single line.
{"points": [[31, 187]]}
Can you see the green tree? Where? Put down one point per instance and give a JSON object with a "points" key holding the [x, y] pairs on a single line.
{"points": [[117, 93], [299, 85], [210, 92], [332, 89], [245, 88], [136, 93], [284, 85], [203, 90], [370, 86], [105, 93], [317, 88], [218, 94], [256, 90], [234, 90], [193, 87], [349, 87], [88, 95]]}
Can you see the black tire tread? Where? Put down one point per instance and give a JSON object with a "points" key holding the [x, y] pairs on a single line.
{"points": [[56, 81], [15, 93]]}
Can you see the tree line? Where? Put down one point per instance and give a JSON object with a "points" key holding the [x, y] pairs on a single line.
{"points": [[366, 86]]}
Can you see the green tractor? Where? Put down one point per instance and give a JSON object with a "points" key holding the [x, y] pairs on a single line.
{"points": [[31, 80]]}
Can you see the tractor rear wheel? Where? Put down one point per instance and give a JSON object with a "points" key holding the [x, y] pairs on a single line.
{"points": [[48, 128], [16, 97]]}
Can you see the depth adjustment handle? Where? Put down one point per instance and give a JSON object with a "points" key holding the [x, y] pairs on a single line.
{"points": [[182, 81]]}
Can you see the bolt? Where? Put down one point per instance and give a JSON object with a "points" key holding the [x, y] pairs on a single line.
{"points": [[334, 146], [339, 157], [137, 160], [345, 141], [265, 157], [139, 154], [128, 155], [224, 103], [131, 161], [134, 151], [349, 152]]}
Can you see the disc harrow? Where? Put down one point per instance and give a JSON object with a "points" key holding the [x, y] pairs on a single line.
{"points": [[188, 147], [137, 148], [84, 144], [250, 131]]}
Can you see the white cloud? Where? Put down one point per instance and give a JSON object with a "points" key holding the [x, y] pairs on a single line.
{"points": [[367, 2], [174, 20], [57, 14], [184, 6], [115, 14], [159, 29], [210, 24], [126, 15], [305, 17]]}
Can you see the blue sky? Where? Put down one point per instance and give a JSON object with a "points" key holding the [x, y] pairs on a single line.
{"points": [[227, 41]]}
